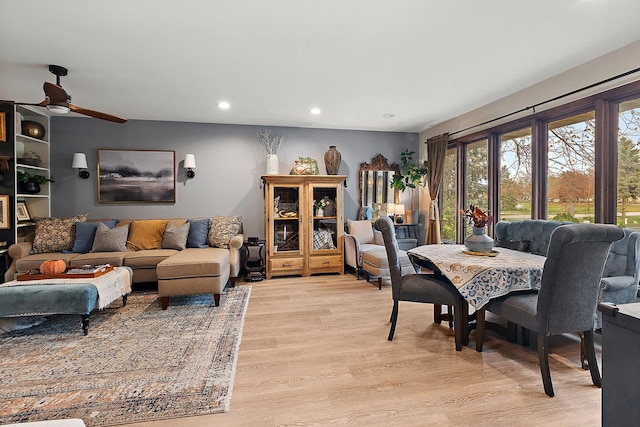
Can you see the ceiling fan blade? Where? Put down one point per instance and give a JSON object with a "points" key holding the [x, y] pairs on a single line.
{"points": [[96, 114], [56, 94]]}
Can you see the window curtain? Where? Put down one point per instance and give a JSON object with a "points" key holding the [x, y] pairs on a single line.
{"points": [[436, 153]]}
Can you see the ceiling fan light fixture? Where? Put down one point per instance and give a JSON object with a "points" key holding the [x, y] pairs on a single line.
{"points": [[59, 109]]}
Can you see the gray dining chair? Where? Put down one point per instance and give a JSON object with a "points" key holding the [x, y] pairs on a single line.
{"points": [[424, 288], [568, 295]]}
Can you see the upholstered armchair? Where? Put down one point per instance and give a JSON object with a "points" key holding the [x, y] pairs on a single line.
{"points": [[619, 283], [360, 237]]}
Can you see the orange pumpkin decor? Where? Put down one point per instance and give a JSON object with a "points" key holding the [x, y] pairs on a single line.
{"points": [[53, 266]]}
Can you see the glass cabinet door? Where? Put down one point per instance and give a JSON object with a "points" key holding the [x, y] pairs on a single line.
{"points": [[286, 219], [324, 217]]}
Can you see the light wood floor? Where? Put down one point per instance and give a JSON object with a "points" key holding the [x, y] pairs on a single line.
{"points": [[315, 352]]}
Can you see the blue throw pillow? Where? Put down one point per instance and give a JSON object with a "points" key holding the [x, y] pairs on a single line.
{"points": [[86, 233], [198, 231]]}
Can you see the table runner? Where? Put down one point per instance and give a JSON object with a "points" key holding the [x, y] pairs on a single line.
{"points": [[110, 286], [481, 278]]}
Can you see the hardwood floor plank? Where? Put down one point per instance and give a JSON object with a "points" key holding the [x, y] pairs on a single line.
{"points": [[315, 352]]}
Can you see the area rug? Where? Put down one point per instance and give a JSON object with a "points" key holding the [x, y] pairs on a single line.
{"points": [[138, 363]]}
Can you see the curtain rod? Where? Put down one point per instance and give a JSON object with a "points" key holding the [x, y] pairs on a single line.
{"points": [[549, 100]]}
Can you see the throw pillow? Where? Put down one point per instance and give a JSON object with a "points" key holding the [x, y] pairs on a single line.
{"points": [[516, 245], [175, 237], [223, 229], [363, 230], [110, 239], [146, 234], [55, 234], [86, 233], [322, 239], [198, 229]]}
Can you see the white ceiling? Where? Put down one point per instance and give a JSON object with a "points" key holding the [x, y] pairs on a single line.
{"points": [[422, 61]]}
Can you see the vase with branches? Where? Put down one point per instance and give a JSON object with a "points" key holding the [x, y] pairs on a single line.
{"points": [[271, 143]]}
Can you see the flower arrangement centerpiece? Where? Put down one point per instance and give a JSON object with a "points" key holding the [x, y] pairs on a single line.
{"points": [[478, 242], [320, 205], [476, 216]]}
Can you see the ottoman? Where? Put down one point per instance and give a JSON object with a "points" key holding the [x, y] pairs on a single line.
{"points": [[193, 271], [376, 263]]}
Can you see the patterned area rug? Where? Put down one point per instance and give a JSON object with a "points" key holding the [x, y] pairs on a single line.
{"points": [[138, 363]]}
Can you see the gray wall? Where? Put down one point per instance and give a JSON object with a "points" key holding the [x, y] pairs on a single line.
{"points": [[229, 162]]}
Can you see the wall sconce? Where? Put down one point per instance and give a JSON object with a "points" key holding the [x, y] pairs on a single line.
{"points": [[80, 162], [190, 165]]}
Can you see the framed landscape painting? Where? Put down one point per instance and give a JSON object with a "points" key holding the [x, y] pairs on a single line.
{"points": [[136, 176]]}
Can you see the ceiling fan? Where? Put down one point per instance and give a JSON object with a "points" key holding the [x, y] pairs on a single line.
{"points": [[58, 101]]}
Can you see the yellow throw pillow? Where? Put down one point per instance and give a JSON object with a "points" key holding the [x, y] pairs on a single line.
{"points": [[146, 234]]}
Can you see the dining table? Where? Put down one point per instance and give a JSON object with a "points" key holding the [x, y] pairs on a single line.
{"points": [[480, 277]]}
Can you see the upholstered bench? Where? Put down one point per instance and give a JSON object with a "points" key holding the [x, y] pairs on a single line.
{"points": [[376, 263], [193, 271], [64, 296]]}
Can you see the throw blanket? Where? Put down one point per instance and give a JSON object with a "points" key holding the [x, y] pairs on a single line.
{"points": [[481, 278], [110, 286]]}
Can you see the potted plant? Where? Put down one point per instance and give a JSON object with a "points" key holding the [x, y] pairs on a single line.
{"points": [[410, 177], [30, 184]]}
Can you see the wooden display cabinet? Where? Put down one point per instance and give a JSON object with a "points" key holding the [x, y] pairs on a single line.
{"points": [[299, 241]]}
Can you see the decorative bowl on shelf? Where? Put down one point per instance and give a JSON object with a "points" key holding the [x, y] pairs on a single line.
{"points": [[33, 129], [31, 158]]}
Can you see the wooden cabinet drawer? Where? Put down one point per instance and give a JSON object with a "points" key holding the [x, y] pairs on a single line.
{"points": [[285, 264], [330, 263]]}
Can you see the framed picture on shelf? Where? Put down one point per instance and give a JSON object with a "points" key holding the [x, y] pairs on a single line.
{"points": [[3, 127], [22, 213], [136, 176], [4, 213]]}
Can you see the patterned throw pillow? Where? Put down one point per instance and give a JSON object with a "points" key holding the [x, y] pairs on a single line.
{"points": [[175, 237], [110, 239], [322, 239], [55, 234], [223, 229]]}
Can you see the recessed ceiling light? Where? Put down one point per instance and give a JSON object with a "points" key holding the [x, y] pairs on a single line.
{"points": [[224, 105], [388, 115], [315, 110]]}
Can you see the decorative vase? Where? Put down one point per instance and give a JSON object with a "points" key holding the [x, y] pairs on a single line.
{"points": [[29, 187], [332, 159], [320, 212], [273, 165], [33, 129], [479, 241]]}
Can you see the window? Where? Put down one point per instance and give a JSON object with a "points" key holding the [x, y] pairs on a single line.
{"points": [[544, 165], [447, 196], [477, 176], [628, 191], [515, 175], [571, 168]]}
